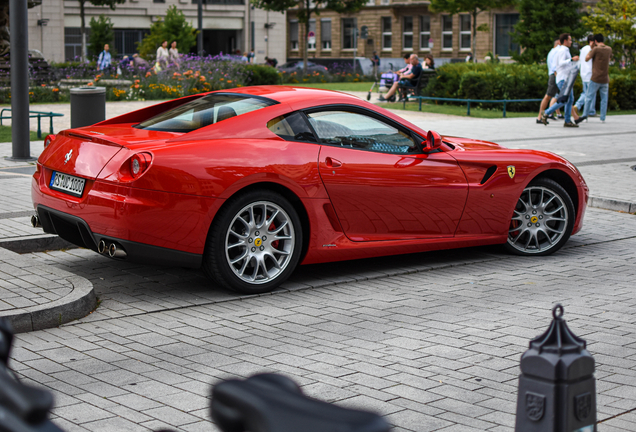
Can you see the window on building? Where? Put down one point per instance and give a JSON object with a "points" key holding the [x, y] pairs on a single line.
{"points": [[325, 34], [126, 40], [407, 33], [447, 32], [464, 32], [158, 1], [387, 35], [425, 31], [73, 42], [312, 28], [293, 35], [348, 37], [216, 2], [504, 23]]}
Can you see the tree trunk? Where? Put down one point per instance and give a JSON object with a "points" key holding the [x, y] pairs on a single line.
{"points": [[306, 37], [83, 30], [474, 38]]}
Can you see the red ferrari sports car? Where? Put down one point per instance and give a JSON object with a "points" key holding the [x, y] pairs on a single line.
{"points": [[250, 182]]}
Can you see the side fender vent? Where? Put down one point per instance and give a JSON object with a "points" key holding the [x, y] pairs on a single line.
{"points": [[489, 172]]}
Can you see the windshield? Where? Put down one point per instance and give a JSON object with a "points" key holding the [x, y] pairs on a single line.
{"points": [[204, 111]]}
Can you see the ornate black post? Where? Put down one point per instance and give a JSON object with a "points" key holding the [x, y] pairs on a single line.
{"points": [[20, 134], [557, 391]]}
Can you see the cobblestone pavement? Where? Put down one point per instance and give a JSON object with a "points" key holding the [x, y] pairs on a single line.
{"points": [[432, 341]]}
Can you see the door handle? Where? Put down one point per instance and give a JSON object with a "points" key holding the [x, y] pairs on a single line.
{"points": [[332, 163]]}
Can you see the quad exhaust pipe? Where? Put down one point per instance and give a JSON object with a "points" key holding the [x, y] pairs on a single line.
{"points": [[113, 249]]}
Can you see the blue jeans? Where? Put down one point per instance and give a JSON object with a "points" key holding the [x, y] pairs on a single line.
{"points": [[568, 105], [581, 101], [591, 96]]}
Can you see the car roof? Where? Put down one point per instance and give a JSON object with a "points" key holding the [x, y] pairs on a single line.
{"points": [[290, 94]]}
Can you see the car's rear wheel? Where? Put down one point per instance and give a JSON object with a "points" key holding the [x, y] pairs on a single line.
{"points": [[542, 220], [254, 244]]}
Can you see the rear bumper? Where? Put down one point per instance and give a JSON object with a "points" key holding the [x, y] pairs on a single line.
{"points": [[75, 230]]}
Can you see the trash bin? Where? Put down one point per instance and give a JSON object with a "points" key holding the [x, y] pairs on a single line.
{"points": [[88, 106]]}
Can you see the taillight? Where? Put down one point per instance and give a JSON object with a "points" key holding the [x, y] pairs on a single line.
{"points": [[139, 163], [48, 140]]}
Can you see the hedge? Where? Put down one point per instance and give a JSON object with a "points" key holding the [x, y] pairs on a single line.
{"points": [[516, 81]]}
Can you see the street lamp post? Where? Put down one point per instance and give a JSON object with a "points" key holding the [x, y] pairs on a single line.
{"points": [[20, 135], [200, 26]]}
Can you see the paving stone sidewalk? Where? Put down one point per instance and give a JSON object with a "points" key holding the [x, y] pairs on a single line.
{"points": [[430, 340], [434, 345]]}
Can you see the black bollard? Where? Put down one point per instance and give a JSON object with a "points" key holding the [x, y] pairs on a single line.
{"points": [[557, 391]]}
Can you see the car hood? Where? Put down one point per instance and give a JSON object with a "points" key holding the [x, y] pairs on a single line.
{"points": [[471, 144]]}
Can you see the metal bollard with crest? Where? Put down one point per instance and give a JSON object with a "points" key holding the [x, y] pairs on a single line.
{"points": [[557, 390]]}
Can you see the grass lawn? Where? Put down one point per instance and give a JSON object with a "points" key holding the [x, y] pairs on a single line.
{"points": [[458, 110], [341, 86], [5, 134]]}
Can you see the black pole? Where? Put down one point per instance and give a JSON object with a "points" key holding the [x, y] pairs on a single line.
{"points": [[19, 80], [200, 22]]}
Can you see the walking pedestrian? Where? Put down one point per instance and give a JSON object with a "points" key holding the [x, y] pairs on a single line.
{"points": [[103, 61], [162, 57], [586, 76], [173, 55], [563, 60], [601, 54], [375, 60], [552, 87]]}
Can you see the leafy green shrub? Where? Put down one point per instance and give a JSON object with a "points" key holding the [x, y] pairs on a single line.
{"points": [[261, 75], [516, 81]]}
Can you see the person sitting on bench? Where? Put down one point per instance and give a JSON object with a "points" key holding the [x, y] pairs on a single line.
{"points": [[407, 79]]}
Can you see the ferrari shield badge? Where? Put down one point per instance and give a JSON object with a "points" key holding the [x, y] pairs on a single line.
{"points": [[511, 171], [535, 405]]}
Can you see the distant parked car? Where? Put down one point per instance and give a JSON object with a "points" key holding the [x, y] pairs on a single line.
{"points": [[296, 66]]}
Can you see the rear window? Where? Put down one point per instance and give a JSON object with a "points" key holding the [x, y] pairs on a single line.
{"points": [[204, 111]]}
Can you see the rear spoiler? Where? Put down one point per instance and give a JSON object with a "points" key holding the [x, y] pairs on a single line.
{"points": [[145, 113]]}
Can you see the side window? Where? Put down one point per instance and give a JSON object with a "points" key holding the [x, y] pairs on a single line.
{"points": [[292, 127], [349, 129]]}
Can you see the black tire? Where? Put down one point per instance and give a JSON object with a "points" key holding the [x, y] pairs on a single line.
{"points": [[244, 255], [542, 220]]}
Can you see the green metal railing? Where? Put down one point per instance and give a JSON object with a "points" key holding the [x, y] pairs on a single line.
{"points": [[34, 114], [468, 101]]}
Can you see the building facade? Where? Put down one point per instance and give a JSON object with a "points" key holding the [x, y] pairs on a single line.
{"points": [[228, 26], [403, 27]]}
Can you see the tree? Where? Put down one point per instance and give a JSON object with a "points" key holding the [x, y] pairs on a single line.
{"points": [[615, 19], [306, 8], [110, 3], [475, 7], [101, 33], [540, 23], [174, 27]]}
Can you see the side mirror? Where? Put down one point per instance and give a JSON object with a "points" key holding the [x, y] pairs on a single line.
{"points": [[433, 141]]}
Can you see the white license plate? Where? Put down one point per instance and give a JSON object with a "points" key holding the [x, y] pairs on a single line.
{"points": [[67, 183]]}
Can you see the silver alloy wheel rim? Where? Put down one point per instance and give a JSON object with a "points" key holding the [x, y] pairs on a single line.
{"points": [[259, 243], [539, 222]]}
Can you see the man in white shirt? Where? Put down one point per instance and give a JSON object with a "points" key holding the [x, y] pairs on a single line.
{"points": [[552, 87], [586, 77], [563, 61]]}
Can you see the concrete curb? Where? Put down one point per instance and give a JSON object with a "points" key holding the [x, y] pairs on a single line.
{"points": [[37, 243], [79, 303], [612, 204]]}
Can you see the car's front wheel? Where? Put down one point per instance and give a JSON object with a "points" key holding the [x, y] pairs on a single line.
{"points": [[542, 220], [254, 244]]}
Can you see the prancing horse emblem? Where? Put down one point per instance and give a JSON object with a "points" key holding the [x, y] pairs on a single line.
{"points": [[68, 156], [511, 171]]}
